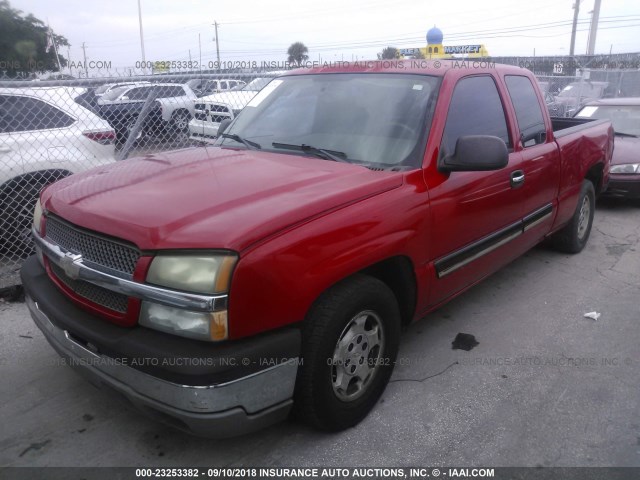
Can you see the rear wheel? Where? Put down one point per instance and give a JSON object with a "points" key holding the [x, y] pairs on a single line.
{"points": [[350, 343], [574, 236]]}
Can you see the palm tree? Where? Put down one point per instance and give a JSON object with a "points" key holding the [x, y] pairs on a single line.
{"points": [[298, 53]]}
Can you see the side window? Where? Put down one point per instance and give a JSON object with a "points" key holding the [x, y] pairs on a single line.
{"points": [[475, 109], [21, 114], [223, 85], [528, 110], [139, 93], [168, 91]]}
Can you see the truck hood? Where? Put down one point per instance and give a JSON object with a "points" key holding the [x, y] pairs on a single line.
{"points": [[209, 197]]}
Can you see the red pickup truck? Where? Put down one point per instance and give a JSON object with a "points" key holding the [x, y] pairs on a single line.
{"points": [[220, 288]]}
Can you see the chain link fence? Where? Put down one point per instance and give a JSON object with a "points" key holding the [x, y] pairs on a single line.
{"points": [[52, 129]]}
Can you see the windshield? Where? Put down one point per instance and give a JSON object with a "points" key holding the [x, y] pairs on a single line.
{"points": [[577, 90], [195, 83], [115, 93], [103, 88], [625, 118], [257, 84], [373, 119]]}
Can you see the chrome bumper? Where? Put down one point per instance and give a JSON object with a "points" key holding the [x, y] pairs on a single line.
{"points": [[221, 410], [203, 130]]}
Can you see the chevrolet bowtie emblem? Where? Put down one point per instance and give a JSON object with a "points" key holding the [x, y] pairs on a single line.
{"points": [[70, 263]]}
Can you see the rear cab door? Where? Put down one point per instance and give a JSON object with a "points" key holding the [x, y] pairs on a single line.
{"points": [[476, 216], [540, 158]]}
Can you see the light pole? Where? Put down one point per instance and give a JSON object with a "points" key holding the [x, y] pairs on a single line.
{"points": [[141, 33], [215, 24], [594, 28], [576, 10]]}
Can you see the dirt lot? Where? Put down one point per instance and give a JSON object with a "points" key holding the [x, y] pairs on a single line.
{"points": [[545, 386]]}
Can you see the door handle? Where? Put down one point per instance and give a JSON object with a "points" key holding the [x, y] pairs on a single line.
{"points": [[517, 179]]}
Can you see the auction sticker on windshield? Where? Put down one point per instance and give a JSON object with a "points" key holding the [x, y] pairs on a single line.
{"points": [[588, 111], [264, 93]]}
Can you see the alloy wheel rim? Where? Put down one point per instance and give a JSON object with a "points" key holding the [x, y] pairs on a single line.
{"points": [[357, 356], [583, 221]]}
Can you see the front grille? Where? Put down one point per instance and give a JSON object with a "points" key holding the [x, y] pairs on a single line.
{"points": [[100, 251], [219, 118], [219, 108], [101, 296], [213, 108]]}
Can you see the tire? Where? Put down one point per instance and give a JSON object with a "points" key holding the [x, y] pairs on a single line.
{"points": [[574, 236], [18, 215], [342, 376]]}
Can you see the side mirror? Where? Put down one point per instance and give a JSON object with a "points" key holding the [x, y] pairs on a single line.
{"points": [[224, 124], [124, 97], [475, 153]]}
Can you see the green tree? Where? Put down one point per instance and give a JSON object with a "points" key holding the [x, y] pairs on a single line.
{"points": [[23, 43], [389, 53], [298, 53], [418, 54]]}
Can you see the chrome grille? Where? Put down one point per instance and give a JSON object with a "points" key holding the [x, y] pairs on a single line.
{"points": [[101, 251], [101, 296]]}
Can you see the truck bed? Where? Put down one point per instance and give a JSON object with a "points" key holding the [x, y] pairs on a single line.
{"points": [[565, 126]]}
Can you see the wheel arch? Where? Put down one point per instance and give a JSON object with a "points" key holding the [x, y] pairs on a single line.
{"points": [[595, 175], [42, 177], [398, 274]]}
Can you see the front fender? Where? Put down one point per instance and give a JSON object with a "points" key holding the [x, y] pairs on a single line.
{"points": [[276, 282]]}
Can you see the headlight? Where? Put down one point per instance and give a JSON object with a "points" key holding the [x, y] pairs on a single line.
{"points": [[37, 216], [206, 274], [628, 168], [211, 326], [195, 273]]}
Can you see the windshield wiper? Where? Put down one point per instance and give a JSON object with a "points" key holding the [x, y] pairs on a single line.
{"points": [[622, 134], [247, 143], [321, 152]]}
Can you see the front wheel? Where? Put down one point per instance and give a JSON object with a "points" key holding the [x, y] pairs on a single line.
{"points": [[180, 121], [350, 344], [573, 237]]}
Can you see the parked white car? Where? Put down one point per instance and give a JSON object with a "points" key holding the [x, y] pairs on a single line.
{"points": [[213, 109], [44, 136], [173, 108], [107, 87], [202, 87]]}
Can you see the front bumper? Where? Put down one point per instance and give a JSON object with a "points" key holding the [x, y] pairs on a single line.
{"points": [[231, 407], [623, 186]]}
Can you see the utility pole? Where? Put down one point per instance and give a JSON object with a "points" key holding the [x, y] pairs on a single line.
{"points": [[215, 24], [576, 10], [594, 27], [141, 33], [84, 53], [69, 58]]}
